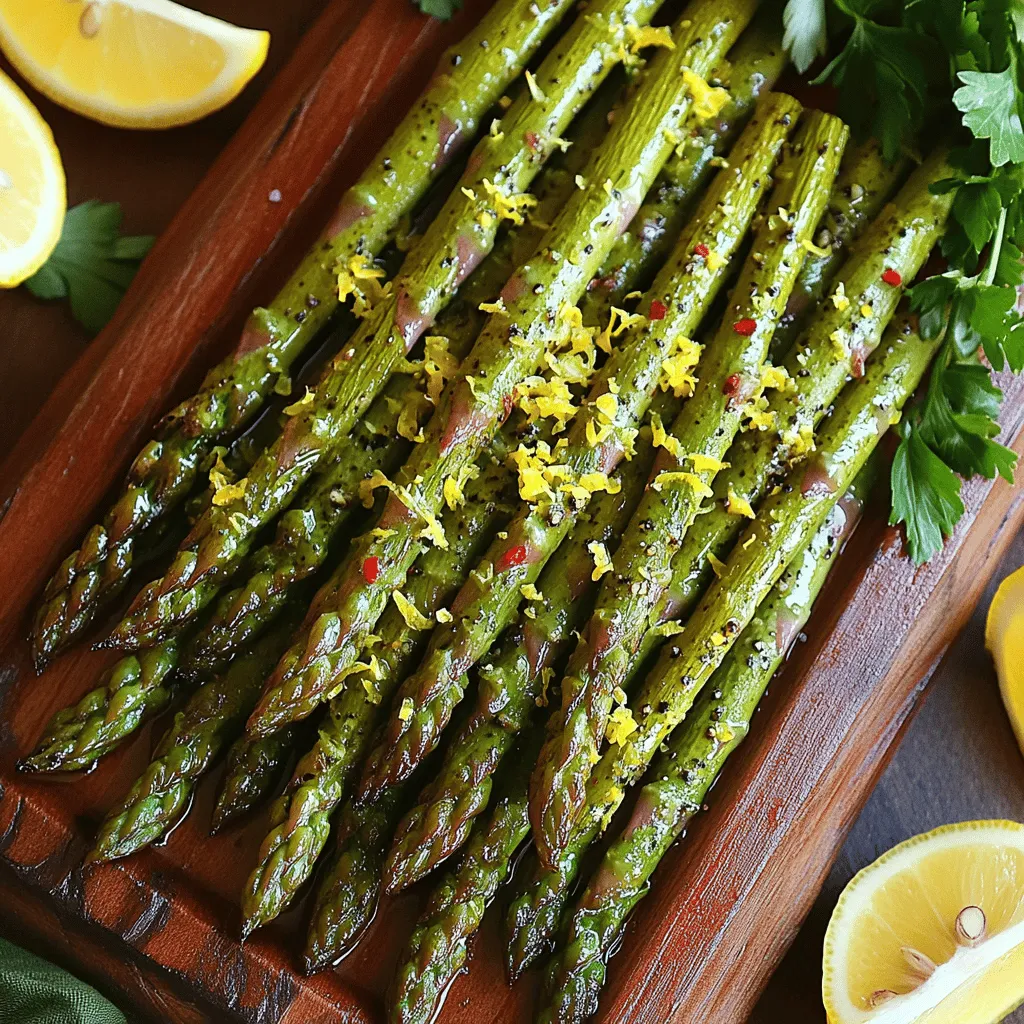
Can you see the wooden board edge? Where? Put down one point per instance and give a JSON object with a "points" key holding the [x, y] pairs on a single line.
{"points": [[132, 909]]}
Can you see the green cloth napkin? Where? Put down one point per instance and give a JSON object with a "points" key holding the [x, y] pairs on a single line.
{"points": [[33, 991]]}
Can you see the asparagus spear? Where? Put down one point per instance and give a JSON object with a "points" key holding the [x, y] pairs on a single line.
{"points": [[730, 385], [301, 818], [499, 171], [512, 682], [200, 731], [753, 66], [864, 184], [347, 898], [600, 436], [862, 415], [438, 946], [511, 346], [305, 530], [682, 775], [138, 687], [898, 239], [472, 76], [253, 769]]}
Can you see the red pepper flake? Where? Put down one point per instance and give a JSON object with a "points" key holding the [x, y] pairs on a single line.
{"points": [[371, 569], [745, 327], [533, 141], [506, 407], [700, 249], [731, 385], [514, 556], [892, 277], [658, 310]]}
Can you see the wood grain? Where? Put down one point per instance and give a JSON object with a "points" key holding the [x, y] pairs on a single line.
{"points": [[163, 925]]}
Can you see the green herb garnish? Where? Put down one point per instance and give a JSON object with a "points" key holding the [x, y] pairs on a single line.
{"points": [[903, 66], [92, 265]]}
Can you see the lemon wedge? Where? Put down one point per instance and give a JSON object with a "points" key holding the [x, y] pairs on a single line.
{"points": [[932, 932], [1004, 637], [130, 63], [33, 197]]}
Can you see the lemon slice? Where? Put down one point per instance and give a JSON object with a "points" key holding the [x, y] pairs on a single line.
{"points": [[32, 193], [130, 63], [1004, 637], [933, 932]]}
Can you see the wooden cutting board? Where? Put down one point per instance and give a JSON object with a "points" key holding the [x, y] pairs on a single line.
{"points": [[162, 925]]}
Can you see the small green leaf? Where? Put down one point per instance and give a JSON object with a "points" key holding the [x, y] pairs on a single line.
{"points": [[442, 9], [925, 496], [92, 264], [988, 101]]}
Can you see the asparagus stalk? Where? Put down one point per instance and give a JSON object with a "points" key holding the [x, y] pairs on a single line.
{"points": [[511, 346], [600, 436], [200, 731], [438, 946], [684, 772], [512, 682], [786, 520], [253, 769], [492, 187], [865, 182], [899, 239], [472, 76], [347, 898], [753, 66], [301, 818], [138, 687], [306, 529], [731, 384]]}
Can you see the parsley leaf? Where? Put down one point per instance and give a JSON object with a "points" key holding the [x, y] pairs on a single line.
{"points": [[989, 103], [442, 9], [957, 421], [925, 495], [881, 77], [93, 264], [806, 37]]}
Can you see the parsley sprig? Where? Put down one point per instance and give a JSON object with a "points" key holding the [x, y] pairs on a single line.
{"points": [[92, 265], [904, 65]]}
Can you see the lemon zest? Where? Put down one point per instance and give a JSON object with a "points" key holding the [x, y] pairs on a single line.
{"points": [[737, 505], [432, 528], [707, 100], [361, 279], [649, 36], [535, 90], [602, 560], [691, 480], [509, 207], [621, 725]]}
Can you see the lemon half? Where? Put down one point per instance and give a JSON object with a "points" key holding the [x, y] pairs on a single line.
{"points": [[933, 932], [1004, 637], [33, 197], [130, 63]]}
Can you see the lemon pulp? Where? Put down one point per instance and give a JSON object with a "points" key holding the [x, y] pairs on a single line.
{"points": [[897, 951], [32, 189]]}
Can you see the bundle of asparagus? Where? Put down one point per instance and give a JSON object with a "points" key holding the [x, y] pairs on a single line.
{"points": [[586, 461]]}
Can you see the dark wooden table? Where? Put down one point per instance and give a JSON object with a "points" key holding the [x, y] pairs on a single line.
{"points": [[957, 759]]}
